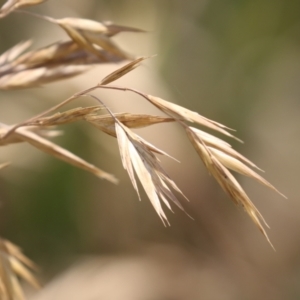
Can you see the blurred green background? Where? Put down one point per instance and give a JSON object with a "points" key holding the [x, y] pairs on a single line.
{"points": [[236, 62]]}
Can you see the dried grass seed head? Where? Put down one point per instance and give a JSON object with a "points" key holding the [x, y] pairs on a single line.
{"points": [[13, 263], [87, 34], [137, 155], [122, 71], [11, 5], [51, 63], [107, 124], [211, 159]]}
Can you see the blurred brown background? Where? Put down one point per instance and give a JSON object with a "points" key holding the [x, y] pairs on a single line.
{"points": [[237, 62]]}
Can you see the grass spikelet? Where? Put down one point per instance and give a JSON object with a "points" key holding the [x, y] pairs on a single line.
{"points": [[11, 5], [122, 71], [88, 33], [14, 265], [182, 113], [107, 124], [226, 180], [51, 63], [138, 156]]}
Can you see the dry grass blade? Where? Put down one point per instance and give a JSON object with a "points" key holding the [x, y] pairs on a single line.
{"points": [[61, 153], [107, 44], [124, 146], [217, 143], [11, 5], [84, 25], [230, 158], [35, 139], [122, 71], [91, 44], [113, 29], [61, 53], [22, 271], [237, 166], [12, 264], [68, 116], [2, 166], [13, 138], [53, 53], [12, 53], [106, 28], [88, 33], [182, 113], [37, 77], [107, 124], [130, 157], [16, 252], [6, 284], [137, 155], [229, 184], [81, 40], [54, 62], [25, 3]]}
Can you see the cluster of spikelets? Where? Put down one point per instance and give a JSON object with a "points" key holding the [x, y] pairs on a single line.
{"points": [[13, 264], [91, 44]]}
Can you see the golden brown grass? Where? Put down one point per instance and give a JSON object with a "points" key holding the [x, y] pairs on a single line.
{"points": [[13, 264], [90, 44]]}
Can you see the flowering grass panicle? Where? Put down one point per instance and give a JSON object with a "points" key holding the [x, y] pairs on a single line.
{"points": [[90, 44]]}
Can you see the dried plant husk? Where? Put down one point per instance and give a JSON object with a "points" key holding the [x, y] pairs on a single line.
{"points": [[218, 158], [14, 265], [35, 139], [107, 28], [107, 124], [87, 33], [69, 116], [11, 54], [216, 154], [180, 112], [51, 63], [122, 71], [137, 156], [11, 5]]}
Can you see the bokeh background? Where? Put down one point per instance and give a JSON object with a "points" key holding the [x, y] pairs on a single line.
{"points": [[237, 62]]}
